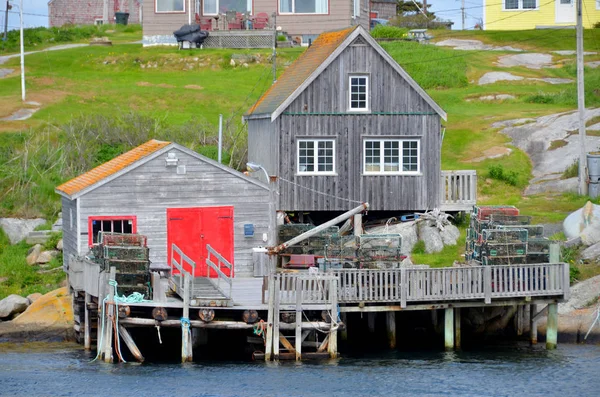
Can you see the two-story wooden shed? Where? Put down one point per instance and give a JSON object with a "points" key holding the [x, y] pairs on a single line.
{"points": [[172, 195], [346, 124]]}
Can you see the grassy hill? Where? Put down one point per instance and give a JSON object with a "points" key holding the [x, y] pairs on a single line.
{"points": [[98, 102]]}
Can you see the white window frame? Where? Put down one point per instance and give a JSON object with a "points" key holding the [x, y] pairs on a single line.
{"points": [[249, 4], [520, 6], [355, 9], [367, 108], [315, 156], [301, 13], [401, 142], [169, 12], [598, 4]]}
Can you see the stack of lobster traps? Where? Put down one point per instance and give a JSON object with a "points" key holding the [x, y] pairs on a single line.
{"points": [[499, 235], [129, 255]]}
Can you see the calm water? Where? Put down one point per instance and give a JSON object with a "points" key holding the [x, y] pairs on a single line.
{"points": [[515, 370]]}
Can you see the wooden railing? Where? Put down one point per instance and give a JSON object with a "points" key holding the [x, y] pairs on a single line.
{"points": [[217, 267], [458, 190], [180, 265], [308, 289], [451, 284]]}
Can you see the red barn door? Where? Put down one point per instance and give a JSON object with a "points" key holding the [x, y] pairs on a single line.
{"points": [[191, 229]]}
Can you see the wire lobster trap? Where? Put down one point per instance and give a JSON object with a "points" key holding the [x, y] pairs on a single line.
{"points": [[380, 248], [341, 250], [533, 231], [499, 236], [513, 220], [121, 239]]}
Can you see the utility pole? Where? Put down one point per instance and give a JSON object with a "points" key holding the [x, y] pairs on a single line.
{"points": [[105, 12], [8, 7], [22, 55], [462, 8], [274, 49], [583, 189]]}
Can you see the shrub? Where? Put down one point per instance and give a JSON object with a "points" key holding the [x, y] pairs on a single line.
{"points": [[281, 37], [571, 171], [419, 247], [499, 173], [388, 32]]}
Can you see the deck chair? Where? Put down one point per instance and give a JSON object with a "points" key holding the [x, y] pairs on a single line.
{"points": [[261, 21], [234, 20], [205, 23]]}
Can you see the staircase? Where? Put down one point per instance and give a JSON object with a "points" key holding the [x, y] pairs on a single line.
{"points": [[203, 293]]}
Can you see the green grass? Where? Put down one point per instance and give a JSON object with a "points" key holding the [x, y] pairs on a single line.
{"points": [[446, 257], [388, 32], [16, 277]]}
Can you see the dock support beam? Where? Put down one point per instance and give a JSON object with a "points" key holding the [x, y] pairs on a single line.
{"points": [[533, 324], [298, 337], [110, 313], [269, 341], [344, 332], [552, 326], [457, 335], [449, 328], [391, 329], [186, 337], [371, 322], [332, 347], [87, 337], [130, 344]]}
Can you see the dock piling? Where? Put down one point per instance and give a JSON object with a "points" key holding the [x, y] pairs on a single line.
{"points": [[269, 341], [108, 322], [186, 340], [298, 337], [332, 346], [457, 333], [532, 324], [449, 328], [391, 329], [87, 337], [130, 343], [552, 326]]}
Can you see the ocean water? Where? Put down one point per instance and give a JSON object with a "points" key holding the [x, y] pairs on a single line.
{"points": [[506, 370]]}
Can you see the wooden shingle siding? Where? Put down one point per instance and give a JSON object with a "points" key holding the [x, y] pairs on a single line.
{"points": [[69, 209], [263, 147], [162, 23], [148, 190]]}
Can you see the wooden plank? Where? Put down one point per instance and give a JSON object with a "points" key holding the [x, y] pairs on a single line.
{"points": [[108, 351], [276, 317], [186, 338], [332, 346], [130, 344], [286, 343], [299, 289], [87, 338]]}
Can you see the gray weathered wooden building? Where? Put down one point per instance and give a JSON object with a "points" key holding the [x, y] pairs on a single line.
{"points": [[346, 124], [172, 195]]}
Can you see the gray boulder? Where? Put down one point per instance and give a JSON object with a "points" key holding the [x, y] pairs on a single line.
{"points": [[46, 256], [12, 305], [591, 252], [59, 245], [33, 254], [17, 229], [408, 231], [450, 234], [430, 235], [33, 297]]}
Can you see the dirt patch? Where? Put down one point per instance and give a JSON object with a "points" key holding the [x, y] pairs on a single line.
{"points": [[10, 104], [193, 87], [557, 144], [144, 84], [164, 85], [43, 81], [492, 153]]}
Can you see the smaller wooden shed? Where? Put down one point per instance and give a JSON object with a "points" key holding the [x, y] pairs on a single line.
{"points": [[172, 195]]}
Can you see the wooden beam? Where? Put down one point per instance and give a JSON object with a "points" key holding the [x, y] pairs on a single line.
{"points": [[435, 306], [532, 325], [298, 319], [233, 325], [457, 328], [391, 328], [108, 351], [552, 327], [87, 337], [323, 345], [332, 345], [449, 329], [276, 318], [269, 341], [186, 340], [130, 344], [286, 343]]}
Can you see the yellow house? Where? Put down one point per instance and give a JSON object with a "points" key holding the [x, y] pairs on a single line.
{"points": [[535, 14]]}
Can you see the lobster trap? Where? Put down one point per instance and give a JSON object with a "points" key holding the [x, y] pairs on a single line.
{"points": [[380, 248]]}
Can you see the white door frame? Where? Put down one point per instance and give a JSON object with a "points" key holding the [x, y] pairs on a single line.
{"points": [[565, 11]]}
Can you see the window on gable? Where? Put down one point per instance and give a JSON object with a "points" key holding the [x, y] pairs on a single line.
{"points": [[391, 156], [521, 4], [303, 6], [170, 6], [316, 156], [114, 224], [359, 93]]}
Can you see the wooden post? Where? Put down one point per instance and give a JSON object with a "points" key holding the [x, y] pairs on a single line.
{"points": [[276, 319], [102, 280], [371, 322], [332, 346], [519, 320], [298, 319], [554, 253], [344, 332], [487, 283], [552, 326], [449, 328], [403, 287], [87, 338], [391, 329], [269, 342], [457, 334], [532, 324], [130, 344], [110, 313], [186, 340], [358, 224]]}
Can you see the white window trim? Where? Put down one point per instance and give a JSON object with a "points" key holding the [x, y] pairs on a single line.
{"points": [[368, 92], [520, 6], [169, 12], [316, 157], [250, 11], [355, 9], [598, 4], [381, 156], [301, 13]]}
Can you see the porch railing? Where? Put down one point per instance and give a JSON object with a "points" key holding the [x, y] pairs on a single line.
{"points": [[178, 262], [216, 263], [308, 289], [458, 190], [407, 285]]}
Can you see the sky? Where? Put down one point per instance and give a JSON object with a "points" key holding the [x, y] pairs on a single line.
{"points": [[36, 12]]}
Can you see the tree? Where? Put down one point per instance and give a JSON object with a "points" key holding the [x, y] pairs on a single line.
{"points": [[410, 8]]}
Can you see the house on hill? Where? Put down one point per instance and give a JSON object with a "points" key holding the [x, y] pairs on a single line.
{"points": [[171, 195], [91, 12], [536, 14], [346, 124], [251, 23]]}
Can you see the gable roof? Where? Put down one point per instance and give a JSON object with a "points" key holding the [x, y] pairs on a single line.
{"points": [[300, 74], [130, 160]]}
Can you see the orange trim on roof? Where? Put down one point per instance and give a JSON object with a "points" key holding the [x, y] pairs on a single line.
{"points": [[300, 70], [111, 167]]}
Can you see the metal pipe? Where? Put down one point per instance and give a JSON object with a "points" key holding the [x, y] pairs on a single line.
{"points": [[22, 56], [220, 137], [312, 232]]}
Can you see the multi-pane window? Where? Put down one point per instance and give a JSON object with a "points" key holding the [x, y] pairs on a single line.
{"points": [[359, 93], [523, 4], [394, 156], [170, 5], [116, 224], [303, 6], [316, 156], [215, 7]]}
